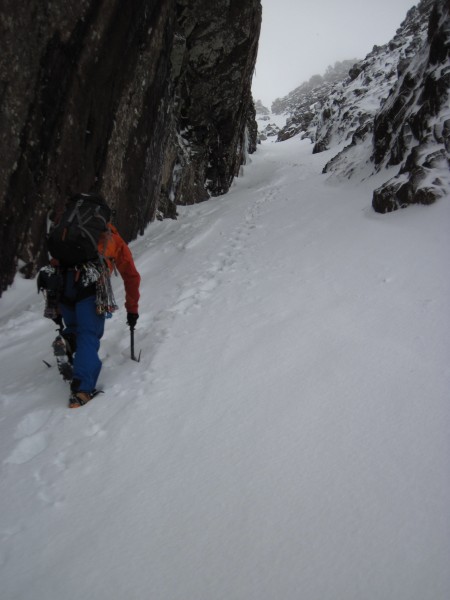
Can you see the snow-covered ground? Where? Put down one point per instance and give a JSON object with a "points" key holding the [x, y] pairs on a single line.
{"points": [[286, 433]]}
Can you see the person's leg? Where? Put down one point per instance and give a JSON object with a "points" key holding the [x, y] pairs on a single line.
{"points": [[89, 330], [69, 332], [64, 343], [67, 310]]}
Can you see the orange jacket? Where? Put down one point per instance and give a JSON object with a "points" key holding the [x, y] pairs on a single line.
{"points": [[116, 252]]}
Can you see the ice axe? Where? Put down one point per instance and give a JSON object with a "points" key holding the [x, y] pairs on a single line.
{"points": [[133, 356]]}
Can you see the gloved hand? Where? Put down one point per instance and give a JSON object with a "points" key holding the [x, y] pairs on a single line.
{"points": [[132, 320]]}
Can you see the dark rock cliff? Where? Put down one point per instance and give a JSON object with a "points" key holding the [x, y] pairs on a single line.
{"points": [[147, 101], [390, 111]]}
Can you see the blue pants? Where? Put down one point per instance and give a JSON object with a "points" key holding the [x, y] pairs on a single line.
{"points": [[82, 320]]}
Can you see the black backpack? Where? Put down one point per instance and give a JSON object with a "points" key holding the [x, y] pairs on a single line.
{"points": [[74, 240]]}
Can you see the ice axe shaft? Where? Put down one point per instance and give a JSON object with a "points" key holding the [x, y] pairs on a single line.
{"points": [[133, 356]]}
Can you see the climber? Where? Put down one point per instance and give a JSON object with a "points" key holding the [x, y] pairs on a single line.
{"points": [[86, 249]]}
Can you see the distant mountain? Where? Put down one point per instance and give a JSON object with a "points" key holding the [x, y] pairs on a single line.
{"points": [[391, 110], [261, 109], [303, 93]]}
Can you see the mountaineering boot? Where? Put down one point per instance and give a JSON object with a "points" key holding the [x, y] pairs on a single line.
{"points": [[78, 399], [63, 357]]}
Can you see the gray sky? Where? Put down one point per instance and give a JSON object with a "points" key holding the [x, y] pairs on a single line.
{"points": [[300, 38]]}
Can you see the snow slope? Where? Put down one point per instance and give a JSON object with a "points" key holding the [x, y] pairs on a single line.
{"points": [[286, 433]]}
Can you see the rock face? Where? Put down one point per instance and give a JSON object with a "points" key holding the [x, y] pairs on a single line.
{"points": [[413, 127], [391, 111], [146, 101]]}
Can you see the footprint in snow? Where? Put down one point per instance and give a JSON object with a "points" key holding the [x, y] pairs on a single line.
{"points": [[31, 441], [31, 423], [27, 449]]}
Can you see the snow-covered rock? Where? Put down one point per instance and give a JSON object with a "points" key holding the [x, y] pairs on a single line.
{"points": [[392, 109]]}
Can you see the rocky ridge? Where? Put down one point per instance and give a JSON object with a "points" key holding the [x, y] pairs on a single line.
{"points": [[307, 91], [147, 102], [392, 110]]}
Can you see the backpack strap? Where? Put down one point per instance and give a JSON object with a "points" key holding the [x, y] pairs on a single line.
{"points": [[82, 220], [107, 260]]}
